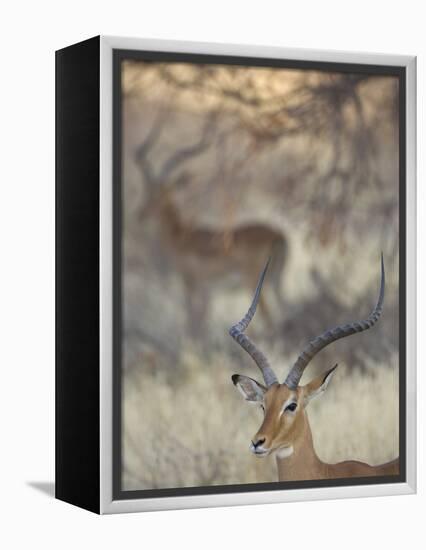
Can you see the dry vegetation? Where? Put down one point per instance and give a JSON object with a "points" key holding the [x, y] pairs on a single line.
{"points": [[196, 430]]}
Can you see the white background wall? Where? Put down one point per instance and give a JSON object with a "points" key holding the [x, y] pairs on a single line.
{"points": [[30, 32]]}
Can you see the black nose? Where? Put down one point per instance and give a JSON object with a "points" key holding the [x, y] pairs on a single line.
{"points": [[258, 442]]}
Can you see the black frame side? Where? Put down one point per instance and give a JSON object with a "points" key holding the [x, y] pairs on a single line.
{"points": [[77, 466]]}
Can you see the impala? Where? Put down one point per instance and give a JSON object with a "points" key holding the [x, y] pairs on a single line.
{"points": [[203, 255], [285, 428]]}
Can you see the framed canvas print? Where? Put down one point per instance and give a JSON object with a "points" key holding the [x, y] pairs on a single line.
{"points": [[235, 275]]}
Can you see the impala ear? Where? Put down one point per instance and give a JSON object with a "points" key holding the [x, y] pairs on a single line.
{"points": [[318, 385], [250, 389]]}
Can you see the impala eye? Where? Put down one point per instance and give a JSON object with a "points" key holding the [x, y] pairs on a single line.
{"points": [[262, 407], [292, 407]]}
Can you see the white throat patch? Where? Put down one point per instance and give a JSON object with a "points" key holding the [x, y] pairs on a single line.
{"points": [[285, 452]]}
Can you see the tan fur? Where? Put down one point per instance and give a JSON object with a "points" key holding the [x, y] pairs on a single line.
{"points": [[291, 430]]}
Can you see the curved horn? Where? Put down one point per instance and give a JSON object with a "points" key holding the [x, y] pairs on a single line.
{"points": [[295, 374], [237, 333]]}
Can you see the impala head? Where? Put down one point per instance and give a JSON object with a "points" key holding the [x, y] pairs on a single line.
{"points": [[284, 404], [283, 410], [161, 180]]}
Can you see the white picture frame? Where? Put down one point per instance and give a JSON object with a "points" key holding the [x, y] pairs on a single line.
{"points": [[107, 503]]}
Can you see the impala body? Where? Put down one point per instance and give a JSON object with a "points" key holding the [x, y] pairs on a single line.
{"points": [[285, 429]]}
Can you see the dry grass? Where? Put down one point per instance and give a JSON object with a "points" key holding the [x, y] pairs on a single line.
{"points": [[193, 428], [357, 418]]}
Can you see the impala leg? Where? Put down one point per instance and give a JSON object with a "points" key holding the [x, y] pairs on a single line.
{"points": [[197, 305]]}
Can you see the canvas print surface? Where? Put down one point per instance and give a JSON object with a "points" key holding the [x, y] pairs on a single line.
{"points": [[256, 205]]}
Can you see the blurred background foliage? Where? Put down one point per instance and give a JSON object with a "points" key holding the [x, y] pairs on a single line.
{"points": [[222, 167]]}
